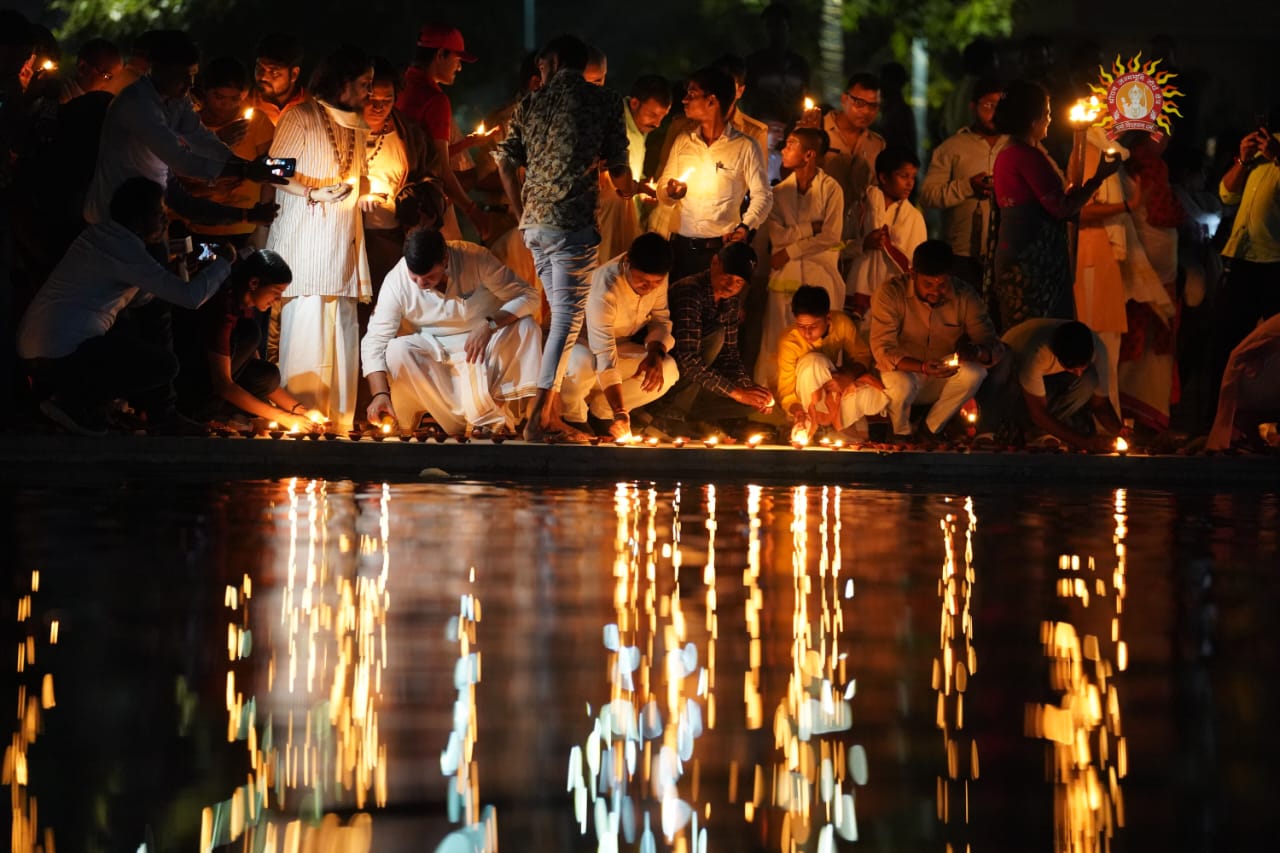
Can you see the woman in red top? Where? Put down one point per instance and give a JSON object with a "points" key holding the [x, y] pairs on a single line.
{"points": [[1032, 258]]}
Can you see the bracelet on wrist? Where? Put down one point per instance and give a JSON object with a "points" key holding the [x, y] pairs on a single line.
{"points": [[380, 394], [619, 414], [294, 409]]}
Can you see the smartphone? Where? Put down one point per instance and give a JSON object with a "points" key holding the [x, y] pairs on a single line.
{"points": [[282, 167], [206, 252]]}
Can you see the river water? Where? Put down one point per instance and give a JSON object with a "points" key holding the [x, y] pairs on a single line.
{"points": [[309, 665]]}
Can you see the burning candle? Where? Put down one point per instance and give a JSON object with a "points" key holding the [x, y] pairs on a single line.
{"points": [[1122, 446], [248, 113], [808, 104]]}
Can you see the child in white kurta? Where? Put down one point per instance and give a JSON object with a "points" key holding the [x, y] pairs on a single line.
{"points": [[890, 228]]}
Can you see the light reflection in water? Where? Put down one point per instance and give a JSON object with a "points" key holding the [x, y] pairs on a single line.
{"points": [[952, 670], [809, 782], [1089, 754], [25, 835], [640, 765], [314, 741]]}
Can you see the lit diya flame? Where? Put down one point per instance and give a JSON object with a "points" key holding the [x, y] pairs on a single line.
{"points": [[808, 104], [1122, 446], [386, 428], [679, 441], [1085, 111], [248, 113], [800, 436], [480, 129], [48, 65], [317, 418], [954, 361], [652, 441], [273, 425], [755, 440], [971, 417], [837, 444], [686, 175], [293, 430], [710, 441]]}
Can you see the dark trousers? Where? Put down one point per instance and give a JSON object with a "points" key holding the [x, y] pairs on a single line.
{"points": [[120, 363], [690, 256], [196, 397], [1250, 293]]}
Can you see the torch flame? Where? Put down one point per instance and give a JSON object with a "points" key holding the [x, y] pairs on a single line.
{"points": [[1086, 111]]}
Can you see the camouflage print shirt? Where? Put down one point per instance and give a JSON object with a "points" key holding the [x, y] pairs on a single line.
{"points": [[563, 134]]}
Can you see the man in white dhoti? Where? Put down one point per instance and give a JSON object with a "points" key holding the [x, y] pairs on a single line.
{"points": [[625, 363], [475, 350]]}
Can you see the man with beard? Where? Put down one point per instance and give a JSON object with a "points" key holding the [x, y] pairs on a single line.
{"points": [[277, 84], [319, 233]]}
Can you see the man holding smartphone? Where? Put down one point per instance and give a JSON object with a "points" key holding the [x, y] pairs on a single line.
{"points": [[1250, 289]]}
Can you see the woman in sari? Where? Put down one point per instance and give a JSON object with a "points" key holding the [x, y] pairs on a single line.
{"points": [[1032, 257]]}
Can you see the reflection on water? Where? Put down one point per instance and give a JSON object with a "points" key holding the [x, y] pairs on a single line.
{"points": [[298, 666], [1088, 752]]}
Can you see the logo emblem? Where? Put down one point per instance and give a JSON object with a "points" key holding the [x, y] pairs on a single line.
{"points": [[1138, 97]]}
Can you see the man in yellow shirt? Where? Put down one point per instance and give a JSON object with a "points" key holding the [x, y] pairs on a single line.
{"points": [[823, 378]]}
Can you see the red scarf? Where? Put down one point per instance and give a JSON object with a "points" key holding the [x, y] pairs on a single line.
{"points": [[1163, 208]]}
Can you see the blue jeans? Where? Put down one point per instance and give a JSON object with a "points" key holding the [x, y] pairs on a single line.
{"points": [[564, 261]]}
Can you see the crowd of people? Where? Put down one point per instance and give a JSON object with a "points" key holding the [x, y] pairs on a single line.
{"points": [[192, 242]]}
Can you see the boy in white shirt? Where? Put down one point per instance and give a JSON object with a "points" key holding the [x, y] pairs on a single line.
{"points": [[804, 234], [891, 228]]}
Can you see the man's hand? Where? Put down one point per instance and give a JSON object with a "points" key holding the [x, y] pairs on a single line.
{"points": [[380, 409], [870, 380], [232, 133], [331, 194], [737, 235], [476, 343], [799, 418], [646, 189], [297, 423], [778, 259], [258, 170], [625, 185], [369, 202], [1267, 145], [981, 184], [828, 396], [621, 426], [1251, 145], [263, 213], [939, 368], [755, 396], [1108, 166], [875, 239], [650, 372], [676, 189]]}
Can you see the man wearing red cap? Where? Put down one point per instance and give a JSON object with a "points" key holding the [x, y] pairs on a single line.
{"points": [[436, 62]]}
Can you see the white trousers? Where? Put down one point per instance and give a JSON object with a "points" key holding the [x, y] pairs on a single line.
{"points": [[812, 372], [320, 355], [946, 394], [581, 389], [430, 374]]}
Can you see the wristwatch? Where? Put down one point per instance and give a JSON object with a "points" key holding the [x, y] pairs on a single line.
{"points": [[491, 323]]}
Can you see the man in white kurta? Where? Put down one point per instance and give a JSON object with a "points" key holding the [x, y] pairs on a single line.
{"points": [[474, 350], [625, 363], [320, 233], [804, 235]]}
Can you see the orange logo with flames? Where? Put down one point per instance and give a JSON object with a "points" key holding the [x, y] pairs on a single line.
{"points": [[1139, 97]]}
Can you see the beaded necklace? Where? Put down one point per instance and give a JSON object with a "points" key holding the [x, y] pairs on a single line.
{"points": [[344, 164]]}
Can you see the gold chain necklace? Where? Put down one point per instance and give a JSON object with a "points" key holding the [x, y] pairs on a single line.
{"points": [[344, 164]]}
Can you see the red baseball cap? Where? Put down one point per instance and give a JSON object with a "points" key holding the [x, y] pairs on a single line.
{"points": [[444, 38]]}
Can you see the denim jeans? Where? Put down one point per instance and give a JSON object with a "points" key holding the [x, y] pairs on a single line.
{"points": [[565, 261]]}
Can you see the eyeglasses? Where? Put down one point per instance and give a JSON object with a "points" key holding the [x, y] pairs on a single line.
{"points": [[861, 103]]}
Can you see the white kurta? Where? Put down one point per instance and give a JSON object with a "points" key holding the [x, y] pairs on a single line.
{"points": [[324, 246], [428, 369], [812, 258], [906, 232], [615, 315]]}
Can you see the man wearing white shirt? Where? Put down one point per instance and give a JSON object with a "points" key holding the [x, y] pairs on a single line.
{"points": [[152, 131], [959, 182], [75, 351], [709, 173], [475, 350], [625, 363]]}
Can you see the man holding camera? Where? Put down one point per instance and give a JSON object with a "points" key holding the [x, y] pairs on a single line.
{"points": [[82, 339]]}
